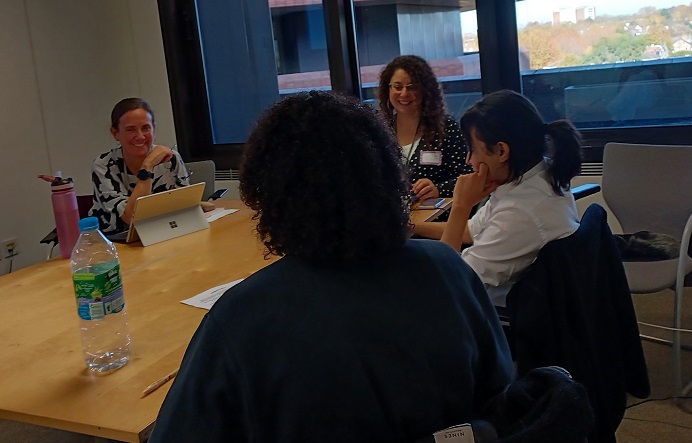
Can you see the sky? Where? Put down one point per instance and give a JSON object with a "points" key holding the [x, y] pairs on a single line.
{"points": [[542, 10]]}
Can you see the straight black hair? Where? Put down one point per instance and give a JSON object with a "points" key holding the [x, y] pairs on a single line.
{"points": [[509, 117]]}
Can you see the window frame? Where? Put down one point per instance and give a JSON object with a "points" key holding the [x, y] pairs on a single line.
{"points": [[498, 51]]}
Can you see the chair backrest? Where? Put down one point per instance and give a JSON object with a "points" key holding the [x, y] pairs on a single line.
{"points": [[648, 187], [572, 308], [84, 203], [203, 171]]}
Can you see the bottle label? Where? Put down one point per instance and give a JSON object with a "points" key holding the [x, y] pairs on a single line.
{"points": [[99, 294]]}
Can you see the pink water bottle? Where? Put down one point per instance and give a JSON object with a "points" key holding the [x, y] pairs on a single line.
{"points": [[65, 211]]}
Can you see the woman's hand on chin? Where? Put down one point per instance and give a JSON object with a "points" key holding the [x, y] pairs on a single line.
{"points": [[472, 188]]}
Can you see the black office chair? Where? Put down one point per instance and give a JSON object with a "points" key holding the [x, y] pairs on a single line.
{"points": [[205, 171], [572, 308]]}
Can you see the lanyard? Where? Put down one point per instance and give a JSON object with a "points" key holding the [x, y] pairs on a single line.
{"points": [[413, 144]]}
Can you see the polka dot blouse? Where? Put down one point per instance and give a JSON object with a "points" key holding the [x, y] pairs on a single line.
{"points": [[453, 149]]}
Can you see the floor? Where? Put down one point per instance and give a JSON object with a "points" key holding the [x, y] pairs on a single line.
{"points": [[661, 419], [666, 421]]}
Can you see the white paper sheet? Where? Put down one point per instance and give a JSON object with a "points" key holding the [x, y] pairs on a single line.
{"points": [[218, 213], [206, 299]]}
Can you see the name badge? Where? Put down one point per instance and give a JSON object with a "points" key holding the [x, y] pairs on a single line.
{"points": [[431, 158], [455, 434]]}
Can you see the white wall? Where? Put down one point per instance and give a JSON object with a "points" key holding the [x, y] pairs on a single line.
{"points": [[63, 65]]}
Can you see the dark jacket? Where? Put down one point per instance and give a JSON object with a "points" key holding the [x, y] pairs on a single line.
{"points": [[573, 309], [341, 353], [544, 406]]}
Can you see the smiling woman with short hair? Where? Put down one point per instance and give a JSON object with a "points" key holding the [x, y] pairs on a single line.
{"points": [[137, 167]]}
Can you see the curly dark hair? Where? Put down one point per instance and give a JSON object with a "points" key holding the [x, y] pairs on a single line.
{"points": [[433, 105], [324, 174]]}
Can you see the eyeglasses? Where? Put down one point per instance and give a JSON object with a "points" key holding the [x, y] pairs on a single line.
{"points": [[398, 87]]}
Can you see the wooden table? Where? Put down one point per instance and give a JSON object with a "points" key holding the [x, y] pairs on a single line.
{"points": [[43, 378], [424, 215]]}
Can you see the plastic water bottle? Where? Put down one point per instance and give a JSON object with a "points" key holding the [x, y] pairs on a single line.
{"points": [[100, 299], [65, 211]]}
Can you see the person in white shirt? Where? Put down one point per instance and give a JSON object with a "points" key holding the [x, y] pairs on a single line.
{"points": [[525, 166]]}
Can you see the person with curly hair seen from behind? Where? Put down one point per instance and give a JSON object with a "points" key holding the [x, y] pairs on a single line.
{"points": [[411, 99], [335, 341], [525, 166]]}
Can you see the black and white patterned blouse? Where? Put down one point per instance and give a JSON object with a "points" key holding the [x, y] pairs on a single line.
{"points": [[453, 149], [114, 182]]}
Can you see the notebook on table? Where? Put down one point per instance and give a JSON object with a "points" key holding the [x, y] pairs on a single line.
{"points": [[166, 215]]}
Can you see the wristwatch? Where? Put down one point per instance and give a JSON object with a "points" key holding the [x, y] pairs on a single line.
{"points": [[143, 174]]}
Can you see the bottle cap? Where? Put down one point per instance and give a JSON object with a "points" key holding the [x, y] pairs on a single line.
{"points": [[61, 184], [88, 224]]}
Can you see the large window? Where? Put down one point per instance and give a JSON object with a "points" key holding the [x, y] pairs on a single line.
{"points": [[384, 30], [300, 45], [608, 64], [432, 30], [239, 83], [622, 71]]}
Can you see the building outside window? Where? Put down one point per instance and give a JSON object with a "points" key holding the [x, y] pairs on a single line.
{"points": [[606, 65], [600, 64], [384, 30]]}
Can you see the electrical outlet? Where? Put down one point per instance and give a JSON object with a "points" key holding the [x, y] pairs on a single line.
{"points": [[9, 248]]}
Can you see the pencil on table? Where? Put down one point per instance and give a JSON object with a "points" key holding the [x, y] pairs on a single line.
{"points": [[158, 383]]}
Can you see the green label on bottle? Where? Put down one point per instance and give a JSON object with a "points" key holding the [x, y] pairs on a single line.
{"points": [[99, 294]]}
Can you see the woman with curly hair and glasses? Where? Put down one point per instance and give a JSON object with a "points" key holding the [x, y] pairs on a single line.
{"points": [[430, 140], [335, 341]]}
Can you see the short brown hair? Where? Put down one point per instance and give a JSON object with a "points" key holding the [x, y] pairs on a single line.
{"points": [[126, 105]]}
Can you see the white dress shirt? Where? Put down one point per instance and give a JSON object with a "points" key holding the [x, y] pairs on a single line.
{"points": [[515, 223]]}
